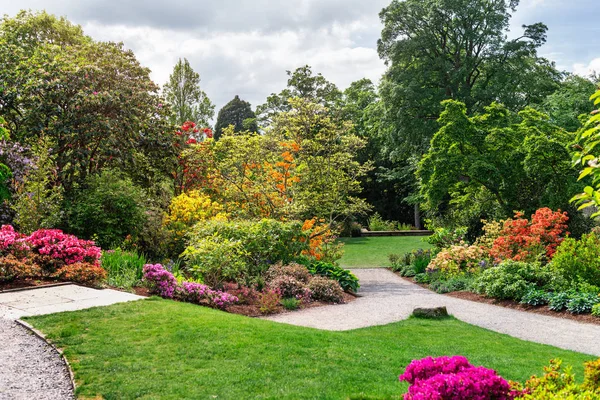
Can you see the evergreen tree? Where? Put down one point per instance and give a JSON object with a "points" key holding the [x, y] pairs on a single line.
{"points": [[237, 113]]}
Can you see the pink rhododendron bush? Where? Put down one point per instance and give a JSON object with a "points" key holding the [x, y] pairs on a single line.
{"points": [[49, 253], [455, 378]]}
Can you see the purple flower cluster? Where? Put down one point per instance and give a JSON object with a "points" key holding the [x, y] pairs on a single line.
{"points": [[162, 281], [453, 378], [15, 157], [165, 284]]}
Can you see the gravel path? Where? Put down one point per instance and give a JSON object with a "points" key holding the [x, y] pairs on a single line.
{"points": [[388, 298], [29, 367]]}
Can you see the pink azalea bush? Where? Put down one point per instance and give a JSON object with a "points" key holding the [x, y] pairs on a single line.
{"points": [[453, 378], [61, 246], [11, 240], [164, 283]]}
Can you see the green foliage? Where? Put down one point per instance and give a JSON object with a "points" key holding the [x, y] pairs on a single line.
{"points": [[446, 237], [237, 113], [535, 297], [512, 280], [571, 100], [38, 198], [302, 83], [558, 383], [241, 251], [558, 301], [582, 303], [494, 163], [423, 278], [188, 101], [411, 263], [108, 208], [596, 310], [585, 157], [291, 303], [453, 284], [92, 99], [578, 260], [124, 268], [347, 280]]}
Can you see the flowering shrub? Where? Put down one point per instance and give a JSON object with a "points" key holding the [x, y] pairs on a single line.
{"points": [[161, 281], [522, 240], [453, 378], [11, 240], [444, 237], [81, 272], [13, 268], [325, 289], [165, 284], [491, 231], [295, 270], [185, 211], [322, 241], [458, 260], [64, 247], [268, 301], [288, 286], [245, 294]]}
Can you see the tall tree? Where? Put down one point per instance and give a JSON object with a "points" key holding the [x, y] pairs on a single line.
{"points": [[455, 49], [237, 113], [569, 102], [188, 101], [304, 84]]}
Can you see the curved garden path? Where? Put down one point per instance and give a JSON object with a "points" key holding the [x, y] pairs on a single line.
{"points": [[386, 298]]}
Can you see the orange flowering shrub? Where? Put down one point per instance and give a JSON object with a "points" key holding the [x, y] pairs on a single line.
{"points": [[321, 241], [82, 272], [524, 240]]}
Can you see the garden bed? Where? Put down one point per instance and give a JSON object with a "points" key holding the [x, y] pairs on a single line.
{"points": [[19, 284], [543, 310]]}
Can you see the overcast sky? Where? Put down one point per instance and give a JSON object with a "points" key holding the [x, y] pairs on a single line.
{"points": [[244, 47]]}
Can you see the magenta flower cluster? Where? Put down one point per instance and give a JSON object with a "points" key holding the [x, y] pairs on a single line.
{"points": [[165, 285], [68, 248], [453, 378], [8, 237], [162, 281]]}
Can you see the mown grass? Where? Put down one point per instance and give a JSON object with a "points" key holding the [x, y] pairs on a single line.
{"points": [[160, 349], [372, 252]]}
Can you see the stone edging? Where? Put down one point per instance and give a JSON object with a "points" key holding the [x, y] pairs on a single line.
{"points": [[22, 289], [60, 353]]}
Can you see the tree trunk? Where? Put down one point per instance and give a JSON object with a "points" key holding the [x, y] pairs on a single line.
{"points": [[418, 217]]}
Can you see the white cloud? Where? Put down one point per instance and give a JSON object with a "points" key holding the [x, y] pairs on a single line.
{"points": [[587, 69]]}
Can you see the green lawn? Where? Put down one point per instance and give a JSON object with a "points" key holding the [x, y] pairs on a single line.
{"points": [[371, 252], [159, 349]]}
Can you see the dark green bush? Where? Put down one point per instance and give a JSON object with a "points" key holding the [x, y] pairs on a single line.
{"points": [[582, 303], [535, 297], [347, 280], [423, 278], [108, 209], [512, 280], [558, 301]]}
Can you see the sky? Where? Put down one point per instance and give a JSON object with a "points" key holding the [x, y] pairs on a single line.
{"points": [[244, 47]]}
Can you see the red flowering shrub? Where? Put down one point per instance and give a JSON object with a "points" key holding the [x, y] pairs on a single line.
{"points": [[64, 247], [11, 241], [523, 240], [81, 272]]}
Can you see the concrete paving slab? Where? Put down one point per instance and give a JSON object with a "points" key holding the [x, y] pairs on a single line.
{"points": [[14, 305]]}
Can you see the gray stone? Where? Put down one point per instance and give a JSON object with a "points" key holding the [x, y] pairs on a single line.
{"points": [[437, 312]]}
